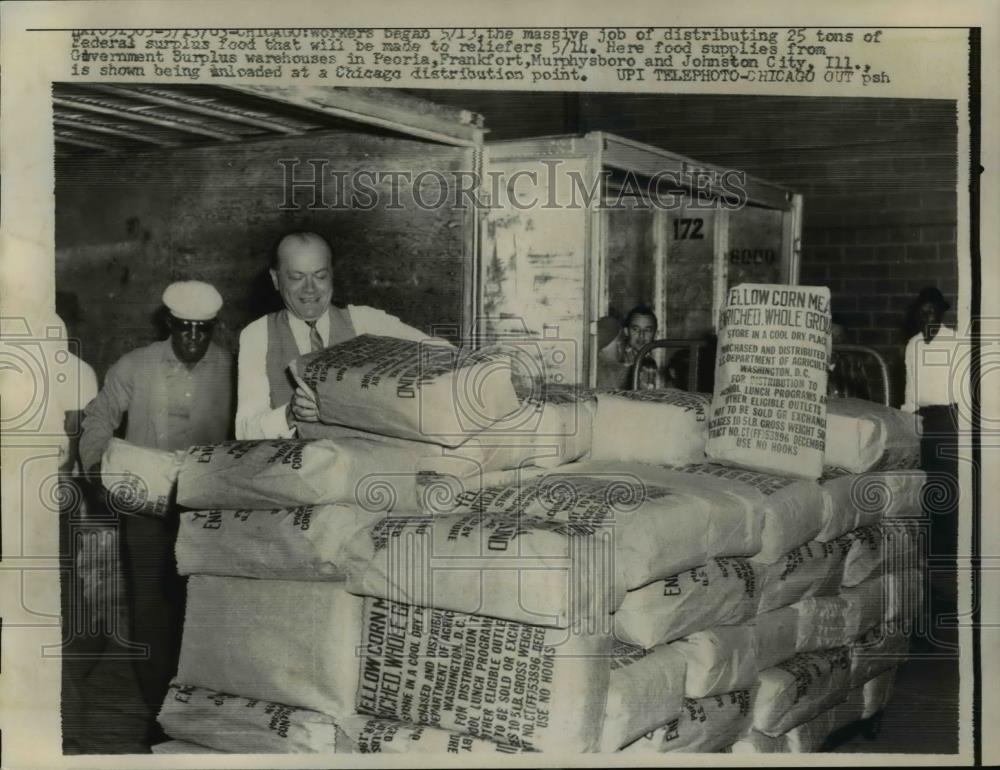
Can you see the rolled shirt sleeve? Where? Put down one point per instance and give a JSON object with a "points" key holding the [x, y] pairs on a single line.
{"points": [[370, 320]]}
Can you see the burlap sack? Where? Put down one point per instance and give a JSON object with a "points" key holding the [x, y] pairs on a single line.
{"points": [[812, 569], [791, 509], [241, 725], [140, 480], [886, 597], [866, 436], [375, 474], [664, 521], [525, 569], [650, 426], [826, 622], [553, 427], [775, 634], [485, 452], [705, 725], [834, 621], [492, 492], [883, 647], [807, 737], [482, 457], [303, 543], [724, 591], [858, 500], [800, 689], [793, 515], [564, 424], [645, 692], [445, 480], [525, 686], [719, 660], [285, 641], [412, 390], [360, 734], [873, 551], [769, 404], [313, 431]]}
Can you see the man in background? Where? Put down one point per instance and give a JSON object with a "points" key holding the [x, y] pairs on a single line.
{"points": [[269, 404], [930, 356], [175, 393], [616, 360]]}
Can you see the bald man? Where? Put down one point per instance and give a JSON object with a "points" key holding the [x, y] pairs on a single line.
{"points": [[268, 403]]}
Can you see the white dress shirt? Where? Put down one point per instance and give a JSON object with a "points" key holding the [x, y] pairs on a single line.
{"points": [[255, 419], [934, 375]]}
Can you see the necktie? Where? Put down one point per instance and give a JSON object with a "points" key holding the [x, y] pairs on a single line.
{"points": [[315, 340]]}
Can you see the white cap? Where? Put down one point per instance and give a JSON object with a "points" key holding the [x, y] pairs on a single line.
{"points": [[192, 300]]}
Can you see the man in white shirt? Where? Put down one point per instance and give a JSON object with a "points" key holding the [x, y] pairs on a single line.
{"points": [[269, 404], [930, 356], [931, 390]]}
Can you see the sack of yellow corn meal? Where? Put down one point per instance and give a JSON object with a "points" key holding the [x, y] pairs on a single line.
{"points": [[413, 390], [723, 591], [140, 480], [240, 725], [646, 691], [525, 686], [286, 641], [374, 473], [769, 404]]}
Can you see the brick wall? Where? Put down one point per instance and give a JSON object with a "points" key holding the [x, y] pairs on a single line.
{"points": [[875, 252]]}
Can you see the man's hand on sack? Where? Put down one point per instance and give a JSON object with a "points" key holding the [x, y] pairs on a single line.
{"points": [[303, 406]]}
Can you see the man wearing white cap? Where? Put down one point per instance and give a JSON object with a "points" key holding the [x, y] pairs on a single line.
{"points": [[177, 393], [269, 404]]}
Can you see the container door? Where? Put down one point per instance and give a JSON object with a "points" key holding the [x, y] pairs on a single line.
{"points": [[755, 252], [630, 260], [533, 267], [693, 235], [632, 276]]}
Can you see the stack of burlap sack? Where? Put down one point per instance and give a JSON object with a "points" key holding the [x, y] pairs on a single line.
{"points": [[459, 569], [762, 612], [292, 642]]}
